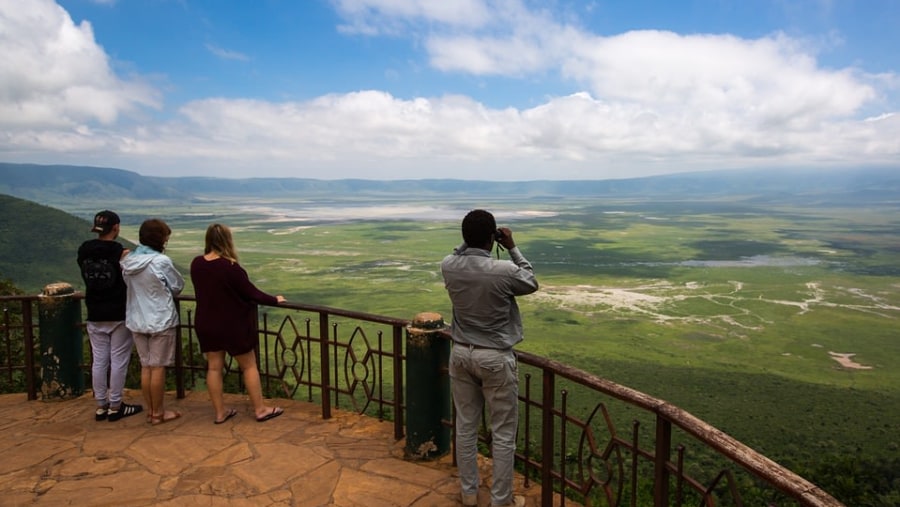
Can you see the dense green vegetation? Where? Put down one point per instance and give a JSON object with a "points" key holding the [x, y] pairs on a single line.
{"points": [[739, 310], [744, 344], [38, 244]]}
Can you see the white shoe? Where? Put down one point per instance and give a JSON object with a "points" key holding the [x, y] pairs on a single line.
{"points": [[518, 501]]}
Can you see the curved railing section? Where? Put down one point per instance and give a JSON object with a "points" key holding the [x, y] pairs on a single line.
{"points": [[571, 437], [580, 446]]}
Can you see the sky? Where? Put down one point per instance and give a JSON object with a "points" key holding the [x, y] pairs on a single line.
{"points": [[502, 90]]}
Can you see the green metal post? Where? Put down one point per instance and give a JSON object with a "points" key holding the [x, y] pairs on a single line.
{"points": [[427, 388], [59, 321]]}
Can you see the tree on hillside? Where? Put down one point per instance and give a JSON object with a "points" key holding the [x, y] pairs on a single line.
{"points": [[8, 288]]}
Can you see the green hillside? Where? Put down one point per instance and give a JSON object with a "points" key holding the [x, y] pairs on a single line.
{"points": [[38, 244], [52, 184]]}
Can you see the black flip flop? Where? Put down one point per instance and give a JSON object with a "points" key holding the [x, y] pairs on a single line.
{"points": [[277, 411], [228, 415]]}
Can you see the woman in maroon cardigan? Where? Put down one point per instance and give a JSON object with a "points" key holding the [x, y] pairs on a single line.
{"points": [[226, 320]]}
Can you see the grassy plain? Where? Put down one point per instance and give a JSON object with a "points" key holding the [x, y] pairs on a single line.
{"points": [[733, 311]]}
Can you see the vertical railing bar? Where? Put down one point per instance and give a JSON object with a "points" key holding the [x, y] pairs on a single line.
{"points": [[380, 374], [679, 483], [337, 365], [194, 349], [7, 322], [563, 454], [265, 333], [8, 343], [527, 446], [177, 368], [190, 348], [661, 458], [325, 366], [547, 436], [28, 330], [179, 360], [397, 355], [635, 454], [309, 386]]}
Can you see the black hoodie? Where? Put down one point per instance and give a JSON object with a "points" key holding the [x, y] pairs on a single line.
{"points": [[105, 290]]}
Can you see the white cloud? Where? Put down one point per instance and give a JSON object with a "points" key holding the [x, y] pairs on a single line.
{"points": [[487, 56], [651, 102], [766, 79], [373, 134], [55, 75], [373, 17], [226, 54]]}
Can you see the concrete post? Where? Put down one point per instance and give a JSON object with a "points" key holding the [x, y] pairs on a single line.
{"points": [[428, 402], [59, 319]]}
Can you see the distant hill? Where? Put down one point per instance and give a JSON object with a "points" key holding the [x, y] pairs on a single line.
{"points": [[39, 244], [50, 184]]}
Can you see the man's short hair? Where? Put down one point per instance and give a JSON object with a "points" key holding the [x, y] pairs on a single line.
{"points": [[154, 233], [478, 228]]}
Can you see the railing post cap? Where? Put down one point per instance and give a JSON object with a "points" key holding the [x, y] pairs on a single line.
{"points": [[427, 322], [58, 289]]}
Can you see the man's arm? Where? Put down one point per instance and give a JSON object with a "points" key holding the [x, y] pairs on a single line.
{"points": [[523, 280], [516, 256]]}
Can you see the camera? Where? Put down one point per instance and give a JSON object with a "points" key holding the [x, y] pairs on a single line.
{"points": [[499, 235]]}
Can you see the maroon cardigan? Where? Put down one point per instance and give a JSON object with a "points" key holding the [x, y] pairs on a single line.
{"points": [[226, 306]]}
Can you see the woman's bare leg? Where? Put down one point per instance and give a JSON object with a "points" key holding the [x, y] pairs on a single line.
{"points": [[157, 390], [215, 364], [252, 383], [145, 389]]}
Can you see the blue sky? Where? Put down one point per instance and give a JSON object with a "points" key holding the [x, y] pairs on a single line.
{"points": [[468, 89]]}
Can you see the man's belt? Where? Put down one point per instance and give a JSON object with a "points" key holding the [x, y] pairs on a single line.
{"points": [[478, 347]]}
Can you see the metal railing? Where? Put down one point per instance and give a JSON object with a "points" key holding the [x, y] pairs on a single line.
{"points": [[569, 439]]}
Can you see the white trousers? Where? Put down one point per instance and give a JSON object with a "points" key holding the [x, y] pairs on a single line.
{"points": [[111, 344]]}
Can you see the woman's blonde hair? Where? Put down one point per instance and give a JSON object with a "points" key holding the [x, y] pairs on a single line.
{"points": [[220, 241]]}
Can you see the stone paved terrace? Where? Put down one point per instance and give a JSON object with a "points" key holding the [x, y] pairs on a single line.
{"points": [[54, 453]]}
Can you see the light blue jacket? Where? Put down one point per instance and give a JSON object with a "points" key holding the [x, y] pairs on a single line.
{"points": [[153, 282]]}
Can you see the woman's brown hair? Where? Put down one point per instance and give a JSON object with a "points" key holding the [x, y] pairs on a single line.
{"points": [[154, 233], [220, 241]]}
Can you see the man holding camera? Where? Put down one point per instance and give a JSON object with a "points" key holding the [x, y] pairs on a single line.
{"points": [[483, 367]]}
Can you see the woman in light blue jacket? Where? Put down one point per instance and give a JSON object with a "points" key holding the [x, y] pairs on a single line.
{"points": [[150, 313]]}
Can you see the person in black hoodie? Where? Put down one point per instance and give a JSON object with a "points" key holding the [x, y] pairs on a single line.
{"points": [[105, 295]]}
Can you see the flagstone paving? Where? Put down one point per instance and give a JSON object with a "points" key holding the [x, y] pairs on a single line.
{"points": [[55, 453]]}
